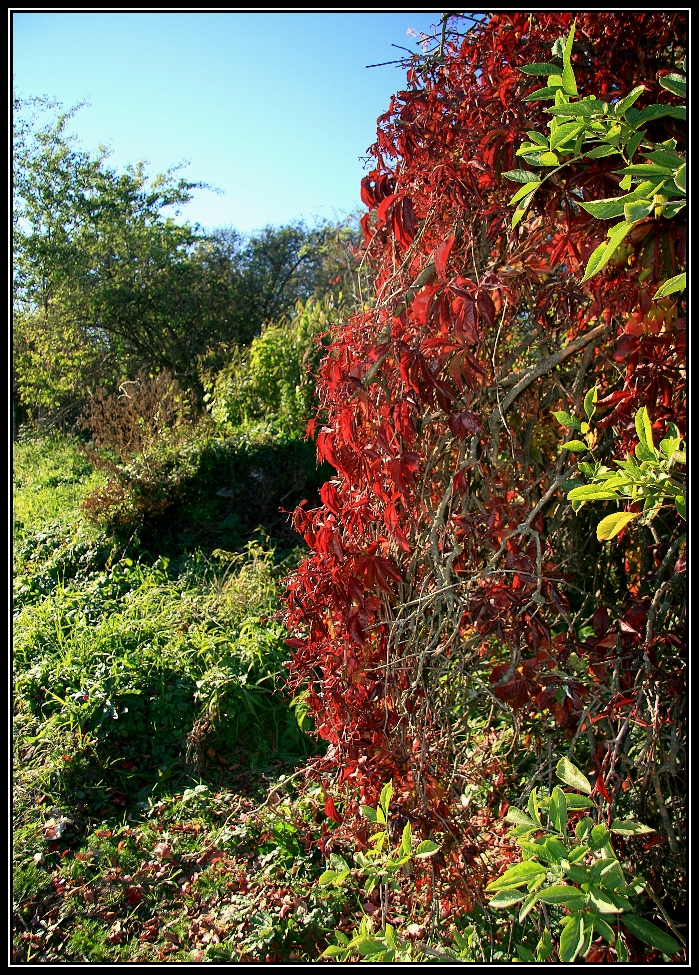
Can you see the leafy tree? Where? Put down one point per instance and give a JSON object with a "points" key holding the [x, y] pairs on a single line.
{"points": [[97, 263], [106, 277]]}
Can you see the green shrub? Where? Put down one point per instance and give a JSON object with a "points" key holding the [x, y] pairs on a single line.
{"points": [[271, 381]]}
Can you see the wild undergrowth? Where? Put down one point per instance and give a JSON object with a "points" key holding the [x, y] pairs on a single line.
{"points": [[148, 723]]}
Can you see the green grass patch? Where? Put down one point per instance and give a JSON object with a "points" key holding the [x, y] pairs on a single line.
{"points": [[148, 721]]}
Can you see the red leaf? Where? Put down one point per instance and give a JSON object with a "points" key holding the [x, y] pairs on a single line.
{"points": [[384, 207], [601, 787], [442, 256], [463, 423], [330, 810], [600, 621], [486, 308], [626, 346]]}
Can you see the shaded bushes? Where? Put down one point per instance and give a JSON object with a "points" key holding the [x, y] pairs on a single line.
{"points": [[227, 471]]}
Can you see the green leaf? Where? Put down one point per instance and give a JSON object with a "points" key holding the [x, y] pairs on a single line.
{"points": [[639, 210], [518, 875], [643, 453], [601, 255], [664, 158], [668, 446], [651, 934], [529, 148], [567, 50], [599, 837], [602, 902], [524, 954], [525, 190], [528, 904], [328, 877], [681, 178], [669, 287], [565, 419], [571, 774], [575, 446], [514, 815], [601, 927], [548, 159], [681, 505], [558, 813], [646, 170], [545, 946], [583, 109], [506, 898], [533, 806], [674, 83], [426, 849], [579, 875], [627, 827], [574, 801], [659, 111], [568, 78], [558, 47], [670, 210], [368, 812], [519, 175], [332, 951], [518, 831], [621, 107], [555, 849], [565, 133], [370, 946], [592, 492], [612, 524], [612, 877], [609, 208], [599, 152], [644, 428], [538, 68], [385, 799], [578, 852], [623, 903], [542, 94], [589, 402], [583, 827], [562, 894], [407, 839]]}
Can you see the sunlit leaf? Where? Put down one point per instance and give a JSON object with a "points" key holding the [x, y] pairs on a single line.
{"points": [[539, 68], [651, 934], [572, 776], [516, 876], [669, 287], [612, 524], [520, 176]]}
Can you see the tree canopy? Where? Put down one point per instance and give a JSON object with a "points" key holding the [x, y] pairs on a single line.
{"points": [[107, 280]]}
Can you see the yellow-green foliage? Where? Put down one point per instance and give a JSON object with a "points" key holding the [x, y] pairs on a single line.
{"points": [[271, 380]]}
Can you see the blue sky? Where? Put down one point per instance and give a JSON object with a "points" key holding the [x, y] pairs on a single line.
{"points": [[276, 109]]}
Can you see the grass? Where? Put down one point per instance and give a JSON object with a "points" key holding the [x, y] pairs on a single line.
{"points": [[148, 724]]}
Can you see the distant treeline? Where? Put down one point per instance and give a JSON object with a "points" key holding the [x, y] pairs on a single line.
{"points": [[107, 284]]}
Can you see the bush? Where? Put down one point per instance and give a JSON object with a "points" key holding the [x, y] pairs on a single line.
{"points": [[272, 381]]}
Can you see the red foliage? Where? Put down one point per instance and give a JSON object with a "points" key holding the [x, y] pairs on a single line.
{"points": [[440, 535]]}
